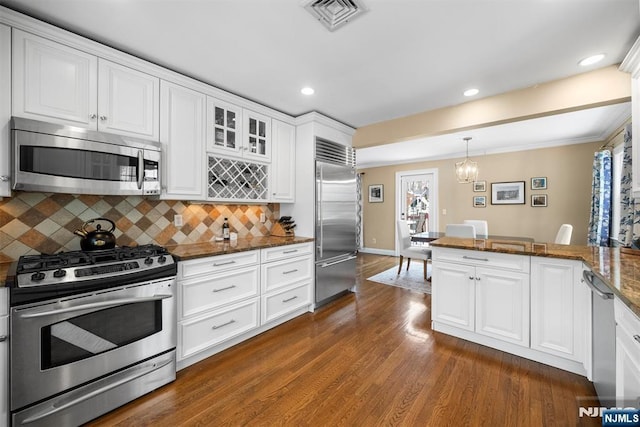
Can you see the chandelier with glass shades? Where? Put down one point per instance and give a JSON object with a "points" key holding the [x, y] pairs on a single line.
{"points": [[467, 170]]}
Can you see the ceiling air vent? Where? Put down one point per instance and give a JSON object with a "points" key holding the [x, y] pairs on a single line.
{"points": [[334, 14]]}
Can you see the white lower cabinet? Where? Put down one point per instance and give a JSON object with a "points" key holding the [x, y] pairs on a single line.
{"points": [[226, 299], [627, 356], [560, 308], [482, 294], [533, 307]]}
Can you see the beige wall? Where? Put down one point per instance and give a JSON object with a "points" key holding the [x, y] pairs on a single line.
{"points": [[568, 172]]}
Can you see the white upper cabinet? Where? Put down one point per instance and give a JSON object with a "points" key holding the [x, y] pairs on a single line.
{"points": [[224, 127], [5, 110], [183, 142], [59, 84], [631, 64], [283, 162], [233, 131]]}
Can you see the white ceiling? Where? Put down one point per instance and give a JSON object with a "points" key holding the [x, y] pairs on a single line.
{"points": [[399, 58]]}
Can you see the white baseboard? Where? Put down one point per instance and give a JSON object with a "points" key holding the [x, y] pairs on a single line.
{"points": [[389, 252]]}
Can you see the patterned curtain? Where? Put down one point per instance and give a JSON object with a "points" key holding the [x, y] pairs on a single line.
{"points": [[629, 210], [359, 211], [600, 200]]}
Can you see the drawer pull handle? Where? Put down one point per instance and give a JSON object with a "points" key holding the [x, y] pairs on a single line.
{"points": [[290, 271], [637, 338], [224, 289], [290, 299], [218, 264], [290, 251], [223, 325], [475, 259]]}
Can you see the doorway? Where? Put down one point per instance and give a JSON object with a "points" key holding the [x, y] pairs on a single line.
{"points": [[417, 199]]}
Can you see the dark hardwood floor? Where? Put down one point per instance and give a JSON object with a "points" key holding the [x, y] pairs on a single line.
{"points": [[367, 359]]}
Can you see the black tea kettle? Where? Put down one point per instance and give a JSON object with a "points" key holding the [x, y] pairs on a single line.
{"points": [[97, 239]]}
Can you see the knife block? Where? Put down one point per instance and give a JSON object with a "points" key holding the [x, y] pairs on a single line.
{"points": [[278, 231]]}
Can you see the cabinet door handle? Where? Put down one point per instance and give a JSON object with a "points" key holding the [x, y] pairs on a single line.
{"points": [[471, 277], [290, 299], [223, 325], [475, 259], [93, 116], [224, 289], [103, 118], [478, 279], [218, 264], [290, 271], [3, 338], [4, 178], [635, 337]]}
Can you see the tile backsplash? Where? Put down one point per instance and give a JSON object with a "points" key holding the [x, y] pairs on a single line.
{"points": [[32, 223]]}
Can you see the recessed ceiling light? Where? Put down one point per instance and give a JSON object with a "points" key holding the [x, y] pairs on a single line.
{"points": [[307, 91], [591, 60], [471, 92]]}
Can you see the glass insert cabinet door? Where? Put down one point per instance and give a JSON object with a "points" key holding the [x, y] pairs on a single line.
{"points": [[258, 135], [224, 126]]}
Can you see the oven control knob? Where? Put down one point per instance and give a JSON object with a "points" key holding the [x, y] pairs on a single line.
{"points": [[162, 259], [59, 273], [148, 260], [36, 277]]}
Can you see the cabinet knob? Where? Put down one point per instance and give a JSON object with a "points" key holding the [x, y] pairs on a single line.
{"points": [[3, 338], [93, 116], [470, 277], [103, 118], [4, 178]]}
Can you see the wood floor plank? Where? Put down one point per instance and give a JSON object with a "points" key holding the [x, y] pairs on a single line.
{"points": [[367, 359]]}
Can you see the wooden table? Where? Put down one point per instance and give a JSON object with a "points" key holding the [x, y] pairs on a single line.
{"points": [[429, 236]]}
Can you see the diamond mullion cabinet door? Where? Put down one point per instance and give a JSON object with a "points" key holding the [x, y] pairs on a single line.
{"points": [[5, 111], [224, 127], [182, 135], [257, 136], [53, 82], [128, 101]]}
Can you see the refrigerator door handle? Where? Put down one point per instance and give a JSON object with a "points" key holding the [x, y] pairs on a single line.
{"points": [[329, 264], [319, 201]]}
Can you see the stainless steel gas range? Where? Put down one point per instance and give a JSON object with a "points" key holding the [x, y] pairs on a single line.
{"points": [[90, 331]]}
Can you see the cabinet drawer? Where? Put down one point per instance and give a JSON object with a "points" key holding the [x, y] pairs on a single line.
{"points": [[198, 334], [216, 263], [280, 303], [627, 320], [283, 273], [288, 251], [211, 291], [483, 258]]}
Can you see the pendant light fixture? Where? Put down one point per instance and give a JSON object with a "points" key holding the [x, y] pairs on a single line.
{"points": [[467, 170]]}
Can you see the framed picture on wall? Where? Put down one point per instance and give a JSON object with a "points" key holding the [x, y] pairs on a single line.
{"points": [[507, 193], [539, 183], [376, 193], [479, 186], [479, 201], [539, 200]]}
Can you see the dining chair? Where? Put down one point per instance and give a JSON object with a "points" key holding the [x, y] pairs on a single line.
{"points": [[564, 234], [460, 230], [408, 251], [481, 226]]}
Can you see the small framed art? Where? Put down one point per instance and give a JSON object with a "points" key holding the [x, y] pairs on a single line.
{"points": [[507, 193], [479, 201], [539, 200], [479, 186], [539, 183], [376, 193]]}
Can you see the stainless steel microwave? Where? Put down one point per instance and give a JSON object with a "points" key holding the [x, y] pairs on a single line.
{"points": [[65, 159]]}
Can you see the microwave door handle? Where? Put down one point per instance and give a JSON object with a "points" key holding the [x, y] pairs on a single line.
{"points": [[140, 168]]}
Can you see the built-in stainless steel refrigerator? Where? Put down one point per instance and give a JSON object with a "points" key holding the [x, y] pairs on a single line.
{"points": [[335, 214]]}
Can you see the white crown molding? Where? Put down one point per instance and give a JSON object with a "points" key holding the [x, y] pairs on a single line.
{"points": [[631, 62], [316, 117]]}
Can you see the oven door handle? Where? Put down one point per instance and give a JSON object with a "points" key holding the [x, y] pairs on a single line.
{"points": [[143, 370], [92, 305], [140, 169]]}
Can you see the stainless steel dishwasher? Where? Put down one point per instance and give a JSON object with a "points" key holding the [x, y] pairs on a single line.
{"points": [[603, 329]]}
